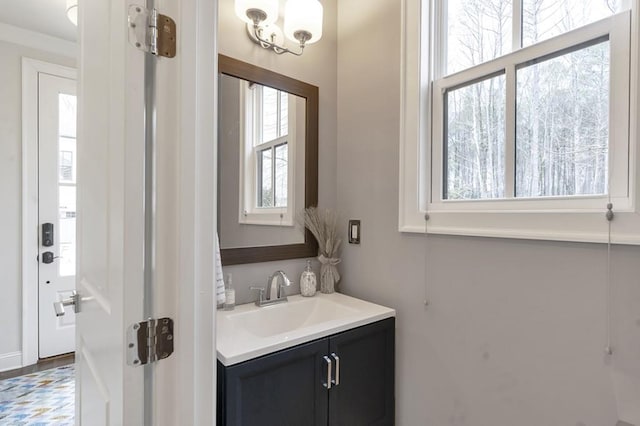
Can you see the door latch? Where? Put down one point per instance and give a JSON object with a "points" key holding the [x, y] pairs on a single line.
{"points": [[48, 257], [74, 301]]}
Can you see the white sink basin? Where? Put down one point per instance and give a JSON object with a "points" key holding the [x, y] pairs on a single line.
{"points": [[250, 331]]}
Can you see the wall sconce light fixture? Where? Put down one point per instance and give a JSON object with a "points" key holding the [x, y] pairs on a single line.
{"points": [[302, 23], [72, 11]]}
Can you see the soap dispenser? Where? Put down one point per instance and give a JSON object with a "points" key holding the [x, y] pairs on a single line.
{"points": [[308, 281], [230, 294]]}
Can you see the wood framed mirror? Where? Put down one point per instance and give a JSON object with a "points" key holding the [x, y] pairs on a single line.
{"points": [[245, 237]]}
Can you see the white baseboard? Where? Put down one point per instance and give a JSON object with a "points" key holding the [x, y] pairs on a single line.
{"points": [[10, 361]]}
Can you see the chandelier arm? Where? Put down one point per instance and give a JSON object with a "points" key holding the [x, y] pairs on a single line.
{"points": [[279, 50]]}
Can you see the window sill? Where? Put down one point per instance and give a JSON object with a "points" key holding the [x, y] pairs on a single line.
{"points": [[267, 222], [589, 227]]}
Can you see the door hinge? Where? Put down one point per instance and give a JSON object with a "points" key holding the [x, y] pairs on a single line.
{"points": [[149, 341], [152, 32]]}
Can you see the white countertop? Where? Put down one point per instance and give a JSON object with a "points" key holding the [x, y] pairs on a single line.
{"points": [[250, 331]]}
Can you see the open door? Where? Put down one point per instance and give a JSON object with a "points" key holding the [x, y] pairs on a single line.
{"points": [[111, 216]]}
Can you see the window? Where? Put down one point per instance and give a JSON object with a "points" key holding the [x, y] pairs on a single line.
{"points": [[269, 145], [67, 148], [521, 122]]}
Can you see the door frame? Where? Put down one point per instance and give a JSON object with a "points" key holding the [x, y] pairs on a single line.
{"points": [[192, 390], [194, 393], [30, 226]]}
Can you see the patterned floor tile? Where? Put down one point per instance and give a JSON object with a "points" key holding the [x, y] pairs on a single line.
{"points": [[39, 399]]}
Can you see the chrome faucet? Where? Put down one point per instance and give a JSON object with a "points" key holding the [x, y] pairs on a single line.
{"points": [[281, 280], [278, 279]]}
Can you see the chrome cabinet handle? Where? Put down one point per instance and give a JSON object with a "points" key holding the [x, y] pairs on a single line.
{"points": [[328, 382], [336, 379]]}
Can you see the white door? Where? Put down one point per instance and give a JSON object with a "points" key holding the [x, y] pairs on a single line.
{"points": [[110, 218], [110, 215], [56, 211]]}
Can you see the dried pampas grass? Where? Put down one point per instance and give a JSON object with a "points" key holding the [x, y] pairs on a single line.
{"points": [[323, 225]]}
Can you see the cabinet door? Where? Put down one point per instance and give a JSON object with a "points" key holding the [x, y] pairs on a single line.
{"points": [[281, 389], [365, 395]]}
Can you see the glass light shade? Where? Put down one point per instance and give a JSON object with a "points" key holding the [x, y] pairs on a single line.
{"points": [[72, 11], [269, 7], [303, 15]]}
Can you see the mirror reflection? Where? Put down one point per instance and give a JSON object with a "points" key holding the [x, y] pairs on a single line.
{"points": [[267, 163], [261, 156]]}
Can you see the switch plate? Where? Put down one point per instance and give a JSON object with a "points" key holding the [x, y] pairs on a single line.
{"points": [[354, 231]]}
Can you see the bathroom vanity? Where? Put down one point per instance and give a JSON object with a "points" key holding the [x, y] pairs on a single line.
{"points": [[325, 360]]}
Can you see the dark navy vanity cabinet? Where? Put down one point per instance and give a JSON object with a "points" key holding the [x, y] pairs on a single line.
{"points": [[346, 379]]}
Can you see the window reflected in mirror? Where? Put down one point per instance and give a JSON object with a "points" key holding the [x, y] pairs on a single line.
{"points": [[262, 145], [267, 163]]}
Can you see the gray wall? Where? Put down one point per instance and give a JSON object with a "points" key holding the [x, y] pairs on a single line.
{"points": [[515, 331], [318, 67], [10, 188]]}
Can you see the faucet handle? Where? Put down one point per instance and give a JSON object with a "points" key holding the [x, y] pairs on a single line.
{"points": [[261, 294]]}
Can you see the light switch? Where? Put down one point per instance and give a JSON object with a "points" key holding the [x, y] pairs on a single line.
{"points": [[354, 231]]}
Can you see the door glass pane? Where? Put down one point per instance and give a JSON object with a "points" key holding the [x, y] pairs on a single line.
{"points": [[67, 229], [477, 31], [265, 190], [475, 132], [282, 163], [67, 117], [67, 162], [562, 128], [269, 114], [543, 19]]}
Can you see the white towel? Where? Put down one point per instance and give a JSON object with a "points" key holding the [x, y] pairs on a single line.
{"points": [[220, 297]]}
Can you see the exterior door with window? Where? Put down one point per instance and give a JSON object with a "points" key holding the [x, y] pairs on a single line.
{"points": [[57, 158]]}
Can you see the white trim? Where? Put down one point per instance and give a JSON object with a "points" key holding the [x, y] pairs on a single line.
{"points": [[414, 102], [36, 40], [30, 70], [250, 120], [10, 361], [195, 390], [549, 224]]}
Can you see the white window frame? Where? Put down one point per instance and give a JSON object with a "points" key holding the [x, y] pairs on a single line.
{"points": [[578, 218], [250, 117]]}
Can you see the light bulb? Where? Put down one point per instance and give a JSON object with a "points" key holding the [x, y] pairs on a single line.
{"points": [[303, 16], [72, 11]]}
